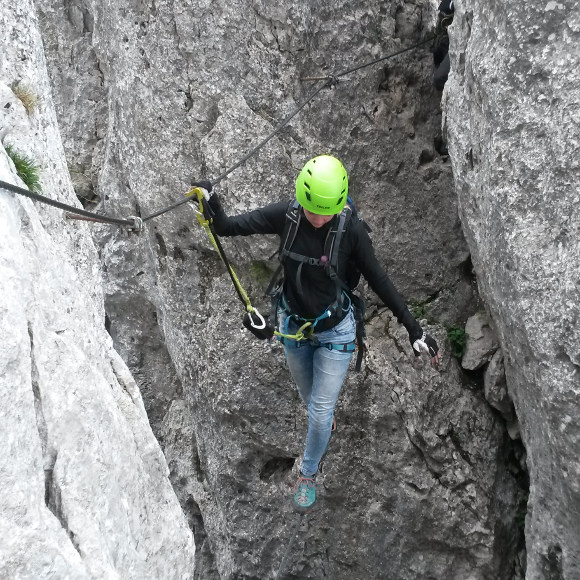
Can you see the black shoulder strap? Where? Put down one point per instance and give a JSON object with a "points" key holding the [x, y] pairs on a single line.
{"points": [[331, 248], [343, 222], [291, 225], [332, 245], [287, 238]]}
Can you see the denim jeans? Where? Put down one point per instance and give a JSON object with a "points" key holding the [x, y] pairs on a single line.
{"points": [[319, 373]]}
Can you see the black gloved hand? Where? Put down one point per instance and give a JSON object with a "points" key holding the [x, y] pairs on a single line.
{"points": [[267, 332], [215, 203], [424, 343], [203, 184], [211, 203]]}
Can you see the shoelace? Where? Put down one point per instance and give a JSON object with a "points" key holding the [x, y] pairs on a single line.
{"points": [[302, 486]]}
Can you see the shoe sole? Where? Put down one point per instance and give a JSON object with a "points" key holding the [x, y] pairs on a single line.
{"points": [[303, 510]]}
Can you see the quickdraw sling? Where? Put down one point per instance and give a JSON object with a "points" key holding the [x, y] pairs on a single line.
{"points": [[253, 320]]}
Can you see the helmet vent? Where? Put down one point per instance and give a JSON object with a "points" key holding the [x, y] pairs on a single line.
{"points": [[308, 196], [340, 200], [307, 185], [309, 172]]}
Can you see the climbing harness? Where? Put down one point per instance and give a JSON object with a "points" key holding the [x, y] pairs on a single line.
{"points": [[306, 330], [345, 297], [253, 320]]}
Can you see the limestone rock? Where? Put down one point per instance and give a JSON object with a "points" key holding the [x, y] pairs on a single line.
{"points": [[511, 106], [480, 344], [418, 479], [495, 389], [494, 383], [85, 489]]}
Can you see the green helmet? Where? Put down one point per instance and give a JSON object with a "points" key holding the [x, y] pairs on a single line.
{"points": [[322, 185]]}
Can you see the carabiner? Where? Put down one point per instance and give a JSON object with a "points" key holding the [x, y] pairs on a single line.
{"points": [[254, 325]]}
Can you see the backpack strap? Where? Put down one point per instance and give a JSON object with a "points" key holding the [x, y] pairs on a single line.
{"points": [[357, 302], [286, 240], [329, 261], [332, 250], [332, 244], [293, 216]]}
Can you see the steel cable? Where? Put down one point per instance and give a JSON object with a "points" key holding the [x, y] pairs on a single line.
{"points": [[66, 207], [252, 152], [329, 81]]}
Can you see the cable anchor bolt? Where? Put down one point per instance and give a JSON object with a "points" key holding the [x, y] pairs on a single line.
{"points": [[137, 226]]}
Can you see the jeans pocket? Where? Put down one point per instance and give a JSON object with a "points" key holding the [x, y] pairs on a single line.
{"points": [[343, 332]]}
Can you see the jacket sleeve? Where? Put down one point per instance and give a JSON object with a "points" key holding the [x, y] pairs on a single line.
{"points": [[379, 281], [265, 220]]}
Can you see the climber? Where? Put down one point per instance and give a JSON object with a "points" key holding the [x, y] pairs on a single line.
{"points": [[309, 295], [441, 45]]}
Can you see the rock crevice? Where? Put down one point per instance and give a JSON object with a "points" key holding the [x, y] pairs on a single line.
{"points": [[421, 477]]}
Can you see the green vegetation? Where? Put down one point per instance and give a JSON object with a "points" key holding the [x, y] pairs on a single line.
{"points": [[457, 339], [26, 168], [260, 272], [419, 310], [27, 96]]}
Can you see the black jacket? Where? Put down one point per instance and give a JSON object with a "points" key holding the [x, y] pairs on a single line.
{"points": [[355, 248]]}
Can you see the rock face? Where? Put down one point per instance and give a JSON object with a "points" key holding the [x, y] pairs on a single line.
{"points": [[419, 481], [512, 105], [480, 344], [85, 488]]}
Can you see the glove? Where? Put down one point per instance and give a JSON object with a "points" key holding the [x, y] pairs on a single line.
{"points": [[215, 203], [203, 184], [212, 199], [424, 343], [267, 332]]}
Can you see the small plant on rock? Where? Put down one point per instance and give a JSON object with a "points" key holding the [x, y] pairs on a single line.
{"points": [[457, 339], [26, 96], [420, 310], [26, 168]]}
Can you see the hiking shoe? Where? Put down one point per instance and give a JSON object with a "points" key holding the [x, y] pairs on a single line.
{"points": [[304, 493]]}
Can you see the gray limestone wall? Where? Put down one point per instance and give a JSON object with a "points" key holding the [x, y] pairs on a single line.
{"points": [[423, 479], [85, 486], [512, 120]]}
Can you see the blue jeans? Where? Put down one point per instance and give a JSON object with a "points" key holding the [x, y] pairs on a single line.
{"points": [[319, 373]]}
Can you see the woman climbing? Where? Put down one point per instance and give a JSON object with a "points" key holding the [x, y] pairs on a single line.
{"points": [[315, 315]]}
